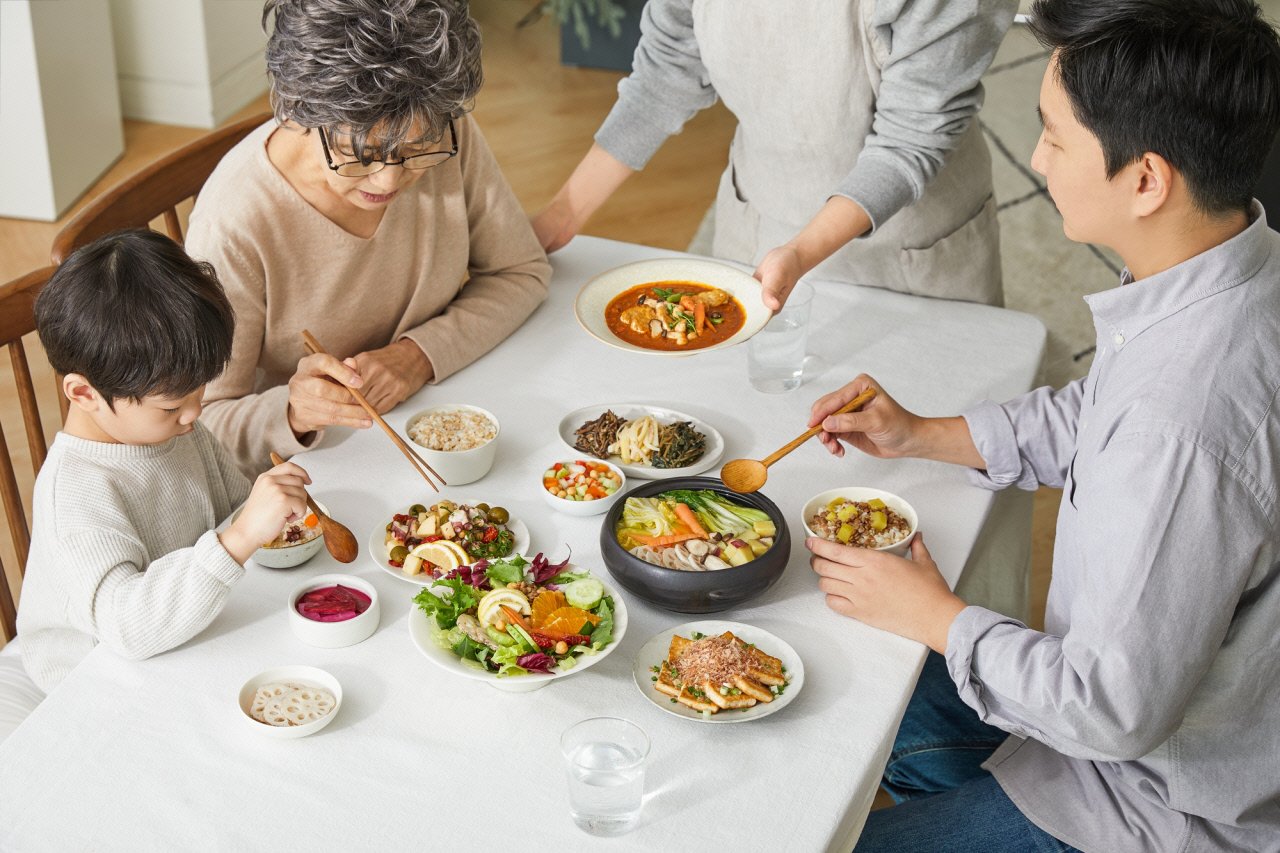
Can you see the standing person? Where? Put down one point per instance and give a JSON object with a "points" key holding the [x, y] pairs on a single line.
{"points": [[372, 213], [1147, 715], [856, 156]]}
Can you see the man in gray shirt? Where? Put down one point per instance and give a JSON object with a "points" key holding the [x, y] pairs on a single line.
{"points": [[1147, 715]]}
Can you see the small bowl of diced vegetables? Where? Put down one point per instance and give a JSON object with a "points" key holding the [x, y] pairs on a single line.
{"points": [[862, 517], [582, 486]]}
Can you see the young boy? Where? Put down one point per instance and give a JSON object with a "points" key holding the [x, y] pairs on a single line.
{"points": [[123, 549], [1147, 715]]}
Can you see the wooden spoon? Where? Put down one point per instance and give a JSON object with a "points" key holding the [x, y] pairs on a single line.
{"points": [[337, 538], [748, 475]]}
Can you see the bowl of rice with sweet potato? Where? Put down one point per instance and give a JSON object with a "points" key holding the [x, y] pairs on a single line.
{"points": [[862, 517]]}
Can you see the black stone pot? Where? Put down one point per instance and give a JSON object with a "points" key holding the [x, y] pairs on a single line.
{"points": [[695, 592]]}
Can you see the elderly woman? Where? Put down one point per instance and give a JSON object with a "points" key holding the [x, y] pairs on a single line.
{"points": [[371, 212]]}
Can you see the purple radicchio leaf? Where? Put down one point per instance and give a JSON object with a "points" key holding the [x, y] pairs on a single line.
{"points": [[536, 662], [543, 570]]}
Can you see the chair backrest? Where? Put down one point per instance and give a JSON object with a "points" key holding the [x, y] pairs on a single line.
{"points": [[153, 192], [17, 318]]}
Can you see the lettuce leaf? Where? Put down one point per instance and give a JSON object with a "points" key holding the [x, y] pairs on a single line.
{"points": [[603, 633], [503, 572], [447, 608]]}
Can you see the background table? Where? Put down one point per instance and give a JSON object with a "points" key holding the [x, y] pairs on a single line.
{"points": [[154, 754]]}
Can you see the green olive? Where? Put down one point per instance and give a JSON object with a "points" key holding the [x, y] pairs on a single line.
{"points": [[398, 553], [498, 515], [482, 507], [417, 508]]}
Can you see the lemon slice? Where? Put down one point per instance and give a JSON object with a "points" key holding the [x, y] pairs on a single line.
{"points": [[464, 559], [488, 612], [435, 553]]}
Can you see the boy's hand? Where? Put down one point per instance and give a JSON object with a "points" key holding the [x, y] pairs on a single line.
{"points": [[882, 428], [278, 496], [909, 598], [317, 400], [393, 373]]}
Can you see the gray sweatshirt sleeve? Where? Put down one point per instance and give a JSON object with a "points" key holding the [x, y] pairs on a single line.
{"points": [[667, 85], [930, 90]]}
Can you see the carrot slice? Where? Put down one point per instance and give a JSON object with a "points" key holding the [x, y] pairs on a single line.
{"points": [[687, 515]]}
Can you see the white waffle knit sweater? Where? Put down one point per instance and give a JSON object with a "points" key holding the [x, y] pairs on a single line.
{"points": [[123, 549]]}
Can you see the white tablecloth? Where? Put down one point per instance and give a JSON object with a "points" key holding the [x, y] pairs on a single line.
{"points": [[153, 755]]}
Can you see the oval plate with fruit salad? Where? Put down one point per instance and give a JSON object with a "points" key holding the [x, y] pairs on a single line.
{"points": [[435, 543]]}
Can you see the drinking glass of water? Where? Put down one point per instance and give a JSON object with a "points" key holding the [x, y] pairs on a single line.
{"points": [[604, 758], [775, 354]]}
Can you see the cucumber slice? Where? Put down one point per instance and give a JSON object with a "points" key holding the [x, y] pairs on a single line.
{"points": [[584, 594], [521, 636], [497, 636]]}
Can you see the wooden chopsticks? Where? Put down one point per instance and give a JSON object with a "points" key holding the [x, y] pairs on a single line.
{"points": [[420, 465]]}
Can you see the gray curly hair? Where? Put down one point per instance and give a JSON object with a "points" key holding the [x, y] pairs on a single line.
{"points": [[348, 67]]}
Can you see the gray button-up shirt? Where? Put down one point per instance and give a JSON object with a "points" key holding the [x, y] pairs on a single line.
{"points": [[1147, 715]]}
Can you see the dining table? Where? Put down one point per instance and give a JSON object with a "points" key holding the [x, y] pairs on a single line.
{"points": [[157, 755]]}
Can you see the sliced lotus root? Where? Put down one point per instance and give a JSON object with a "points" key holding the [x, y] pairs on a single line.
{"points": [[290, 704]]}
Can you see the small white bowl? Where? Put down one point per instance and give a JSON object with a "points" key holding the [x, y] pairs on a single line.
{"points": [[290, 556], [308, 675], [863, 493], [334, 635], [458, 467], [585, 508]]}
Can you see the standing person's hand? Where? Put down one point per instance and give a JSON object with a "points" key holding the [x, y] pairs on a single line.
{"points": [[553, 226], [278, 496], [909, 598], [778, 274], [393, 373], [882, 428], [317, 400]]}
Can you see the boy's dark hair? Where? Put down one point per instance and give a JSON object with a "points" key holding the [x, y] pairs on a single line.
{"points": [[1195, 81], [135, 315]]}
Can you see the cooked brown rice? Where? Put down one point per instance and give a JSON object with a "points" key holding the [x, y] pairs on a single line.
{"points": [[452, 431], [862, 533]]}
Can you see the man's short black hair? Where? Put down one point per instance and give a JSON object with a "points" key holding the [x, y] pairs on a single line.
{"points": [[1195, 81], [135, 315]]}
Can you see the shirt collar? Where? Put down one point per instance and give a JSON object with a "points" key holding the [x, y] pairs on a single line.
{"points": [[1122, 313]]}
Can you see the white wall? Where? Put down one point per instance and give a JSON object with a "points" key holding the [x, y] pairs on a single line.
{"points": [[188, 62], [59, 105]]}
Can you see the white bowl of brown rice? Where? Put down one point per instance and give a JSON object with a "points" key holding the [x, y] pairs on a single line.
{"points": [[457, 440], [862, 517]]}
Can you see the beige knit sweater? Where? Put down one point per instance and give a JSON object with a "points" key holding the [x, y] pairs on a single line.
{"points": [[454, 266], [123, 549]]}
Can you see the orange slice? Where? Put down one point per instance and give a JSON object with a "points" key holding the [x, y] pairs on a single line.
{"points": [[547, 602], [569, 620]]}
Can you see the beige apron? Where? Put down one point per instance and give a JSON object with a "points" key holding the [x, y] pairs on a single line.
{"points": [[802, 80]]}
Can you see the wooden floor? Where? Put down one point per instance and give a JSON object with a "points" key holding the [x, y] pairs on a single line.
{"points": [[539, 118]]}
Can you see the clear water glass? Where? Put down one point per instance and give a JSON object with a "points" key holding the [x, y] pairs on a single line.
{"points": [[775, 354], [604, 759]]}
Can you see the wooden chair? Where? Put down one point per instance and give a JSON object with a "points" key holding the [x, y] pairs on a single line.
{"points": [[17, 318], [153, 192]]}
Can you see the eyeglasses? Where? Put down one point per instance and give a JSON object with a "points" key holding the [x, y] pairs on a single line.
{"points": [[417, 162]]}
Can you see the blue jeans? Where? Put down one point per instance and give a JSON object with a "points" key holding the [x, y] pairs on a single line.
{"points": [[946, 801]]}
